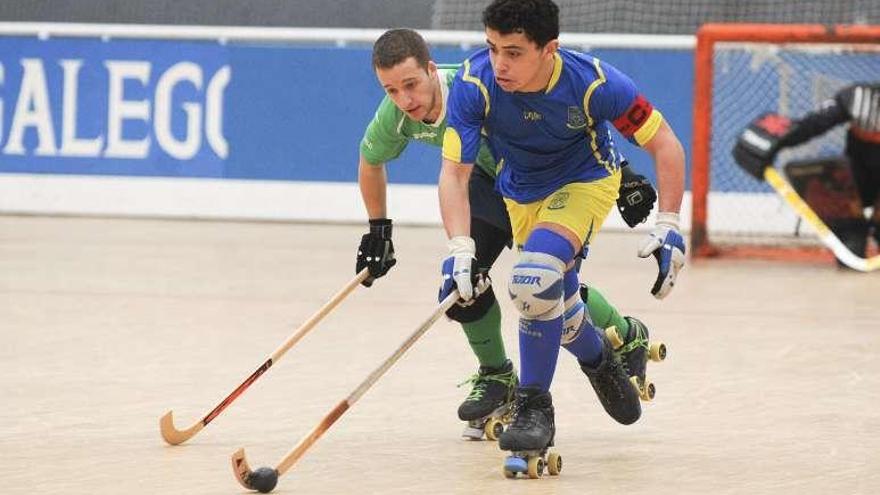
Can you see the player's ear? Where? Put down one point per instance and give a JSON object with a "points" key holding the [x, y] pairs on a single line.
{"points": [[551, 47], [432, 68]]}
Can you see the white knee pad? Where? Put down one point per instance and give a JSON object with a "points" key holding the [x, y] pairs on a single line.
{"points": [[536, 286], [575, 316]]}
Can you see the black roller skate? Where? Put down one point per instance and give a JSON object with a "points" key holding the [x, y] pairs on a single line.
{"points": [[530, 436], [489, 406], [612, 384], [635, 350]]}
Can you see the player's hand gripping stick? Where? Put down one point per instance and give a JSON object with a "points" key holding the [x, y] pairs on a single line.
{"points": [[376, 251]]}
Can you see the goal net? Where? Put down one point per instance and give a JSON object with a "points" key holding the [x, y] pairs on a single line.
{"points": [[743, 71], [670, 16]]}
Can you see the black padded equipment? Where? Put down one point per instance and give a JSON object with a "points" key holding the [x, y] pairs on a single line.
{"points": [[757, 145], [637, 197], [376, 251]]}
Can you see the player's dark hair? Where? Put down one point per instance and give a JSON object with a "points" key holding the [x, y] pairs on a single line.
{"points": [[397, 45], [538, 20]]}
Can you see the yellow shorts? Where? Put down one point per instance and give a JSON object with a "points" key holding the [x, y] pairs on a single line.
{"points": [[580, 207]]}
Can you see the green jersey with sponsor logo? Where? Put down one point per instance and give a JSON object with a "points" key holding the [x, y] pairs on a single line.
{"points": [[391, 130]]}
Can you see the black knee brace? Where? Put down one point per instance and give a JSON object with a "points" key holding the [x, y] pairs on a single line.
{"points": [[474, 311]]}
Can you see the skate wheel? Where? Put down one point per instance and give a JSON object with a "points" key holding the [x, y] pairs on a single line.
{"points": [[472, 432], [648, 391], [658, 352], [554, 464], [494, 428], [536, 467], [509, 474], [613, 337], [515, 465]]}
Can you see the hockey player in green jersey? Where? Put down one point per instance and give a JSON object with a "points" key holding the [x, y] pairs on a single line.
{"points": [[414, 108]]}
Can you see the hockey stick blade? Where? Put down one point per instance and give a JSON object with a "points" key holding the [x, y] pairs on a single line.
{"points": [[826, 235], [241, 468], [166, 423], [174, 436]]}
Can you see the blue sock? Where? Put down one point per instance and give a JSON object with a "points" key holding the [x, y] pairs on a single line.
{"points": [[587, 346], [538, 351], [549, 242], [539, 339]]}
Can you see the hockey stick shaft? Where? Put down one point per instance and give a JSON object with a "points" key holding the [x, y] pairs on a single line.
{"points": [[239, 461], [826, 235], [166, 424], [294, 455]]}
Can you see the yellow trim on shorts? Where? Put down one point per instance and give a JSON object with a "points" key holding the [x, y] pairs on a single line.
{"points": [[649, 128], [594, 138], [580, 207]]}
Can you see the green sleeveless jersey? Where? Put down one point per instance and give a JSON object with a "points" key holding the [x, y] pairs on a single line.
{"points": [[391, 130]]}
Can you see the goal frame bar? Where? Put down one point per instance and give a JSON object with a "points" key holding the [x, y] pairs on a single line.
{"points": [[707, 36]]}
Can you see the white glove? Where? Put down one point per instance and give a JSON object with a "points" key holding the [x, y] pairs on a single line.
{"points": [[667, 246], [459, 269]]}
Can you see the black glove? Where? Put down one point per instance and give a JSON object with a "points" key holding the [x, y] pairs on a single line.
{"points": [[376, 251], [757, 145], [637, 197]]}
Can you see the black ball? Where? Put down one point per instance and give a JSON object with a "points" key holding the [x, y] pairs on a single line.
{"points": [[263, 479]]}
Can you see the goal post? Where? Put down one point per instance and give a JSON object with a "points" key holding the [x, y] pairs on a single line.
{"points": [[741, 71]]}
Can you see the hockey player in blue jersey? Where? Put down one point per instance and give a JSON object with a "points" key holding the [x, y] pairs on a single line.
{"points": [[546, 113]]}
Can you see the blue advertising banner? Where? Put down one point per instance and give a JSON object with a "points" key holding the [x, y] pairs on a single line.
{"points": [[168, 108]]}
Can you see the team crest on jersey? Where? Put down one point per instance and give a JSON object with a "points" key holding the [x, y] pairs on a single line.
{"points": [[576, 118], [559, 201]]}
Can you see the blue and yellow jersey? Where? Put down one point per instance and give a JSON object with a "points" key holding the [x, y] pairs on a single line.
{"points": [[546, 139]]}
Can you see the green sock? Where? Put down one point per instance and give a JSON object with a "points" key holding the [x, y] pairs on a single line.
{"points": [[603, 313], [484, 336]]}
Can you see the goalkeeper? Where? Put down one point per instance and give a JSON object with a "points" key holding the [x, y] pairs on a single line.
{"points": [[414, 108], [859, 106]]}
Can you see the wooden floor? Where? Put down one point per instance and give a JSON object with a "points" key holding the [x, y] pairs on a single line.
{"points": [[772, 383]]}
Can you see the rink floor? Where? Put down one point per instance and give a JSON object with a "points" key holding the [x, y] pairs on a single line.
{"points": [[772, 384]]}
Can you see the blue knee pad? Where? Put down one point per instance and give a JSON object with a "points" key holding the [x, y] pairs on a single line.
{"points": [[536, 286]]}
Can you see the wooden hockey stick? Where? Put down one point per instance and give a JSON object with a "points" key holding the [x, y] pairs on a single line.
{"points": [[166, 423], [826, 235], [240, 466]]}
